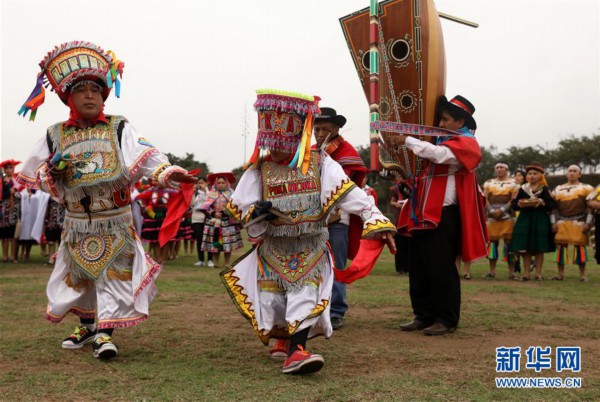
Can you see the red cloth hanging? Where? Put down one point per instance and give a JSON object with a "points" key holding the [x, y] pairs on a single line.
{"points": [[178, 204]]}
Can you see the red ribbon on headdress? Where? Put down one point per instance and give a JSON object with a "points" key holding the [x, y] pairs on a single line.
{"points": [[178, 204]]}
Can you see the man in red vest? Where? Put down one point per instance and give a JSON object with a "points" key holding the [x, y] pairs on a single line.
{"points": [[444, 218], [344, 230]]}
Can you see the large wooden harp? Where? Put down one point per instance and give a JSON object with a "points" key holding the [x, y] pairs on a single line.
{"points": [[398, 51]]}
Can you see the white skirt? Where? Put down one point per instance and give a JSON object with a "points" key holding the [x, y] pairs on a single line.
{"points": [[115, 302], [276, 314]]}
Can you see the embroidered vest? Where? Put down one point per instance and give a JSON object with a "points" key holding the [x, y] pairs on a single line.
{"points": [[293, 254], [96, 177], [295, 194]]}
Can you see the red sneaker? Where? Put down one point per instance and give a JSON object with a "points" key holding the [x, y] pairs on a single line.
{"points": [[302, 362], [281, 349]]}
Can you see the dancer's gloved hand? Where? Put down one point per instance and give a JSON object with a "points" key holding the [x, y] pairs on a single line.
{"points": [[261, 208], [57, 164]]}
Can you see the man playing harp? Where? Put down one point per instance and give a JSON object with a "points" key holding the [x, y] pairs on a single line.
{"points": [[444, 218]]}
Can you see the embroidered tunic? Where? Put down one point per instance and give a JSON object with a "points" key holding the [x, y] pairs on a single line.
{"points": [[101, 267], [284, 284], [499, 194], [571, 213]]}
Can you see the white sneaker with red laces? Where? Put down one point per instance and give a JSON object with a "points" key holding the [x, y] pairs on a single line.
{"points": [[302, 362]]}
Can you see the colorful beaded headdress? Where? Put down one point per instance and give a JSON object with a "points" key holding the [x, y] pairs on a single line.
{"points": [[72, 62], [285, 122]]}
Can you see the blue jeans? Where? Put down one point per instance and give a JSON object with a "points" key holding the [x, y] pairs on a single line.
{"points": [[338, 239]]}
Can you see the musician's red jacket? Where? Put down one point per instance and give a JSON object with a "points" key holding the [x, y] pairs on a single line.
{"points": [[431, 187]]}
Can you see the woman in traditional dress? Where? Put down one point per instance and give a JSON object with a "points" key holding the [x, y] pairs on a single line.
{"points": [[532, 233], [199, 219], [9, 211], [55, 217], [221, 233], [155, 202]]}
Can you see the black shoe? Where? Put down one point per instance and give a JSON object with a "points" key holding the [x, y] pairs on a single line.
{"points": [[104, 348], [438, 329], [80, 337], [337, 323], [414, 325]]}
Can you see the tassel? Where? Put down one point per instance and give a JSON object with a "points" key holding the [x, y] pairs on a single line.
{"points": [[493, 251], [561, 256], [113, 74], [505, 253], [305, 134], [117, 88], [36, 98], [580, 255], [109, 82], [262, 268], [294, 162], [253, 161], [306, 143], [412, 183]]}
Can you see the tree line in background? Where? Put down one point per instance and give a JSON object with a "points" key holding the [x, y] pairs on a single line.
{"points": [[582, 150]]}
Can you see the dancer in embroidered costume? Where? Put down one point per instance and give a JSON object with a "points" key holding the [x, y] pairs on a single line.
{"points": [[498, 193], [532, 234], [89, 163], [10, 210], [221, 233], [571, 222], [283, 285], [445, 219], [344, 229], [593, 201]]}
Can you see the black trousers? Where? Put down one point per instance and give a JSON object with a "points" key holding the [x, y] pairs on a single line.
{"points": [[402, 251], [433, 276]]}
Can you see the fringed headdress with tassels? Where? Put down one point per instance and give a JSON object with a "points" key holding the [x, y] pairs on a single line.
{"points": [[285, 123], [69, 63]]}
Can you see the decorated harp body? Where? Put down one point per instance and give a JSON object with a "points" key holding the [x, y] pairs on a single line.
{"points": [[398, 51]]}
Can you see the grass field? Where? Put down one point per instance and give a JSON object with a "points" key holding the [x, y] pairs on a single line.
{"points": [[196, 346]]}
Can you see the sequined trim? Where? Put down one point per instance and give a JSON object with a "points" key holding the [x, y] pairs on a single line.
{"points": [[377, 226], [122, 322], [336, 195], [317, 311], [234, 211]]}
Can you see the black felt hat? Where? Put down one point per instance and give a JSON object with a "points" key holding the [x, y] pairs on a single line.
{"points": [[461, 105], [329, 115]]}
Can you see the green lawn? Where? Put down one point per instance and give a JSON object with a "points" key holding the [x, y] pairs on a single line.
{"points": [[196, 346]]}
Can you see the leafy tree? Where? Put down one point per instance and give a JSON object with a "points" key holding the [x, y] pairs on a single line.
{"points": [[188, 162]]}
